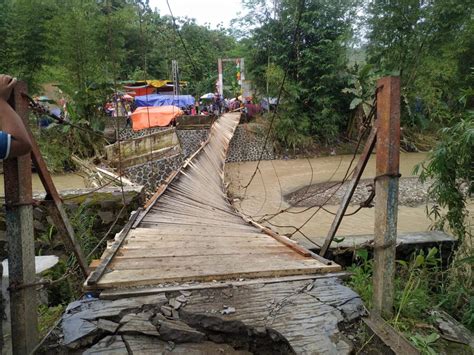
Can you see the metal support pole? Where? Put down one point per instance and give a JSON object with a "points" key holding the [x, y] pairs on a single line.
{"points": [[386, 197], [21, 249], [220, 77], [358, 171]]}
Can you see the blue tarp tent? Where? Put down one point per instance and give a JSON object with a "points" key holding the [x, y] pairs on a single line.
{"points": [[164, 100]]}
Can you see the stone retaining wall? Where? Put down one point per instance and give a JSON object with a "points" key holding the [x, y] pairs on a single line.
{"points": [[153, 173], [129, 133], [191, 139], [247, 144]]}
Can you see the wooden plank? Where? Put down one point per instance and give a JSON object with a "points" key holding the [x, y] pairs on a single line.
{"points": [[190, 235], [195, 250], [390, 336], [193, 221], [208, 264], [359, 169], [112, 294], [99, 271], [145, 277], [231, 244], [167, 228], [192, 239]]}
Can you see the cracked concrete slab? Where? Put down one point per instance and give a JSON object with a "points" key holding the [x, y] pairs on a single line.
{"points": [[299, 317]]}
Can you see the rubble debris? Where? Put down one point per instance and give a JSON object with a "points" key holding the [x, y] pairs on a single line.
{"points": [[177, 331], [110, 345]]}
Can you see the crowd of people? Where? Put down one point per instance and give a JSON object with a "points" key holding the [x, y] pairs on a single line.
{"points": [[123, 105], [217, 105]]}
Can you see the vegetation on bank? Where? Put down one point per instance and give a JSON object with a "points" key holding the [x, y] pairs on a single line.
{"points": [[427, 282]]}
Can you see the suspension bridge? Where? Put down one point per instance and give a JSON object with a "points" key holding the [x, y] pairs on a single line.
{"points": [[189, 231]]}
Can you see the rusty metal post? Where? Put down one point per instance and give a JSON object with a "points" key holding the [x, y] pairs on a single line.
{"points": [[21, 249], [386, 189], [54, 205]]}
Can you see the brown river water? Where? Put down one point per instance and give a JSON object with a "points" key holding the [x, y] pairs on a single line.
{"points": [[281, 177], [62, 182]]}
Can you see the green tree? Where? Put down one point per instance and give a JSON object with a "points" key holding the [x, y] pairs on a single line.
{"points": [[429, 43], [315, 59], [24, 26]]}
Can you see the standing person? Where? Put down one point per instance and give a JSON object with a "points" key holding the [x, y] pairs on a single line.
{"points": [[196, 107], [14, 139]]}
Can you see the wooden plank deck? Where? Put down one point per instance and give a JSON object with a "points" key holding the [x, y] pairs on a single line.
{"points": [[192, 233]]}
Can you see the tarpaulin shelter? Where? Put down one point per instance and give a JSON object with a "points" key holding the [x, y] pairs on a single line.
{"points": [[139, 90], [148, 117], [164, 100], [147, 87]]}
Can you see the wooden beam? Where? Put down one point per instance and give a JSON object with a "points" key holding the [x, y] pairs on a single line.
{"points": [[364, 158], [21, 247], [393, 339], [113, 294], [386, 193], [55, 206], [99, 270]]}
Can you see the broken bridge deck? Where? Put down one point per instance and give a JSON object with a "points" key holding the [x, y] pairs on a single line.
{"points": [[190, 232]]}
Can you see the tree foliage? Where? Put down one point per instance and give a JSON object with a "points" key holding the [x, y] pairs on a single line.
{"points": [[86, 44], [305, 39], [430, 44]]}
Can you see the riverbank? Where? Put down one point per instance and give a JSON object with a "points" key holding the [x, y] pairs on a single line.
{"points": [[412, 193]]}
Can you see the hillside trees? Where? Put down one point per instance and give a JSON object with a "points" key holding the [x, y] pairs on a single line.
{"points": [[87, 44], [430, 44], [307, 40]]}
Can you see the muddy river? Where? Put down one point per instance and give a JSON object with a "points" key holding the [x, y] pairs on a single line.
{"points": [[280, 177], [62, 182]]}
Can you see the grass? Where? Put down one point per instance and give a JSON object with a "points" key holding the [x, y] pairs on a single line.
{"points": [[47, 318], [421, 285], [67, 289]]}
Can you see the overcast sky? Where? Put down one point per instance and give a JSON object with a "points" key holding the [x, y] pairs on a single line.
{"points": [[204, 11]]}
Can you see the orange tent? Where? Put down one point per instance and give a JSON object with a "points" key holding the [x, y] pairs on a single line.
{"points": [[148, 117]]}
